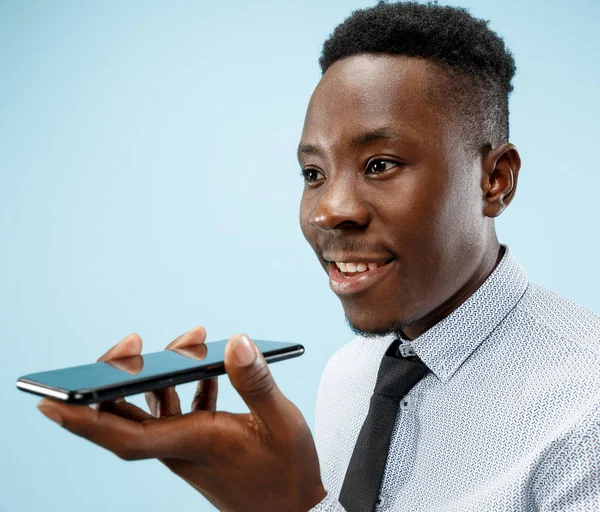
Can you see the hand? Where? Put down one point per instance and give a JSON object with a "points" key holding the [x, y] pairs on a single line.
{"points": [[259, 461]]}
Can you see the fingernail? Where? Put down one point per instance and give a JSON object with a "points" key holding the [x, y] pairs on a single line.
{"points": [[243, 351], [51, 413]]}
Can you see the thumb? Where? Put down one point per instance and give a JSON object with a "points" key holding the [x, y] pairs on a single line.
{"points": [[250, 376]]}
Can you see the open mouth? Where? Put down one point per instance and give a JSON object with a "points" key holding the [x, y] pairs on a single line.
{"points": [[355, 269], [352, 278]]}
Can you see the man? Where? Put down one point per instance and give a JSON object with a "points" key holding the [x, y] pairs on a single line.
{"points": [[407, 163]]}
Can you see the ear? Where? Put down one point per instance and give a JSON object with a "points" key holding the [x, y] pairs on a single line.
{"points": [[500, 174]]}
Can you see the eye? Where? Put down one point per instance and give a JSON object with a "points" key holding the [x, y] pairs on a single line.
{"points": [[380, 165], [311, 175]]}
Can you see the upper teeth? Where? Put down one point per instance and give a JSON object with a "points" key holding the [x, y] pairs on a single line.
{"points": [[356, 267]]}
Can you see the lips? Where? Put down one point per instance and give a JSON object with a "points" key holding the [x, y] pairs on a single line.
{"points": [[347, 284]]}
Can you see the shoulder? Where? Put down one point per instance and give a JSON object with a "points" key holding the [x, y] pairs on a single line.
{"points": [[555, 343], [563, 319]]}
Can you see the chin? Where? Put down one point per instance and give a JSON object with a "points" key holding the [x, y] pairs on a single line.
{"points": [[371, 325]]}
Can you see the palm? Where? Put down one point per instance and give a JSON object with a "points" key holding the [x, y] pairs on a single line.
{"points": [[264, 458]]}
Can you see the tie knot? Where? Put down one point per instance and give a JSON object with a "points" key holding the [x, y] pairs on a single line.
{"points": [[398, 374]]}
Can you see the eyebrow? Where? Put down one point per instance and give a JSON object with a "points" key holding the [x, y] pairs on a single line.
{"points": [[385, 133]]}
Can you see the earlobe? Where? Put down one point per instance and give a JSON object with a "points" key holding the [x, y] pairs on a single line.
{"points": [[501, 172]]}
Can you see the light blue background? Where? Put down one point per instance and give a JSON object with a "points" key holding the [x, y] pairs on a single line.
{"points": [[148, 183]]}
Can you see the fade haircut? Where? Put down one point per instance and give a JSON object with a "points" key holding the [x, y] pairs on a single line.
{"points": [[477, 67]]}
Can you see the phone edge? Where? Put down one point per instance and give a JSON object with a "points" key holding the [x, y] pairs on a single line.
{"points": [[84, 397]]}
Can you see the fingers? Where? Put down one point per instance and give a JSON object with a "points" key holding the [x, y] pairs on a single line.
{"points": [[188, 437], [165, 402], [192, 337], [131, 365], [251, 377], [124, 409], [131, 345], [205, 398]]}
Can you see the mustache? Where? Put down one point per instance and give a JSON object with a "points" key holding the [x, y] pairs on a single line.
{"points": [[339, 245]]}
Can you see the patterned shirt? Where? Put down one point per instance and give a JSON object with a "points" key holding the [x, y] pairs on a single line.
{"points": [[507, 419]]}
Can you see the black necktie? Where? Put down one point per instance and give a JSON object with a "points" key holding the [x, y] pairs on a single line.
{"points": [[364, 475]]}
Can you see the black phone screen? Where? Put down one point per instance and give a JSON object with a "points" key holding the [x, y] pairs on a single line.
{"points": [[121, 375]]}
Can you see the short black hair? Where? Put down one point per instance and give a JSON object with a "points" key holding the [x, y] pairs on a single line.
{"points": [[475, 58]]}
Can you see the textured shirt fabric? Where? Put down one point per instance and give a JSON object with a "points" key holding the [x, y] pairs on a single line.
{"points": [[508, 418]]}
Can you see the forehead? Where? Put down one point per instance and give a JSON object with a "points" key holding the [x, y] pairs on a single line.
{"points": [[368, 91]]}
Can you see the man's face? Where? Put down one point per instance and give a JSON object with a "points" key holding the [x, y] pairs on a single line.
{"points": [[391, 182]]}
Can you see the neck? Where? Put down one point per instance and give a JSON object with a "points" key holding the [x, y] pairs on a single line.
{"points": [[488, 264]]}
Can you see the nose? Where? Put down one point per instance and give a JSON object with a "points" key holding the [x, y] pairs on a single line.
{"points": [[340, 205]]}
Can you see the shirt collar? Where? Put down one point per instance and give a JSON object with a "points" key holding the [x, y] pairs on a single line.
{"points": [[446, 345]]}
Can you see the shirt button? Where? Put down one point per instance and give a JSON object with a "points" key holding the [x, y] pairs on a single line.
{"points": [[380, 502], [406, 404]]}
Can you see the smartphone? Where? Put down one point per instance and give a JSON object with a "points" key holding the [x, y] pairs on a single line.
{"points": [[97, 382]]}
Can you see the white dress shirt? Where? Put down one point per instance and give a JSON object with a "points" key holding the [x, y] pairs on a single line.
{"points": [[507, 420]]}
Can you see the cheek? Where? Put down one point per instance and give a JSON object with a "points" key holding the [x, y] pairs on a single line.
{"points": [[412, 209], [444, 236], [463, 211], [419, 219], [304, 218]]}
